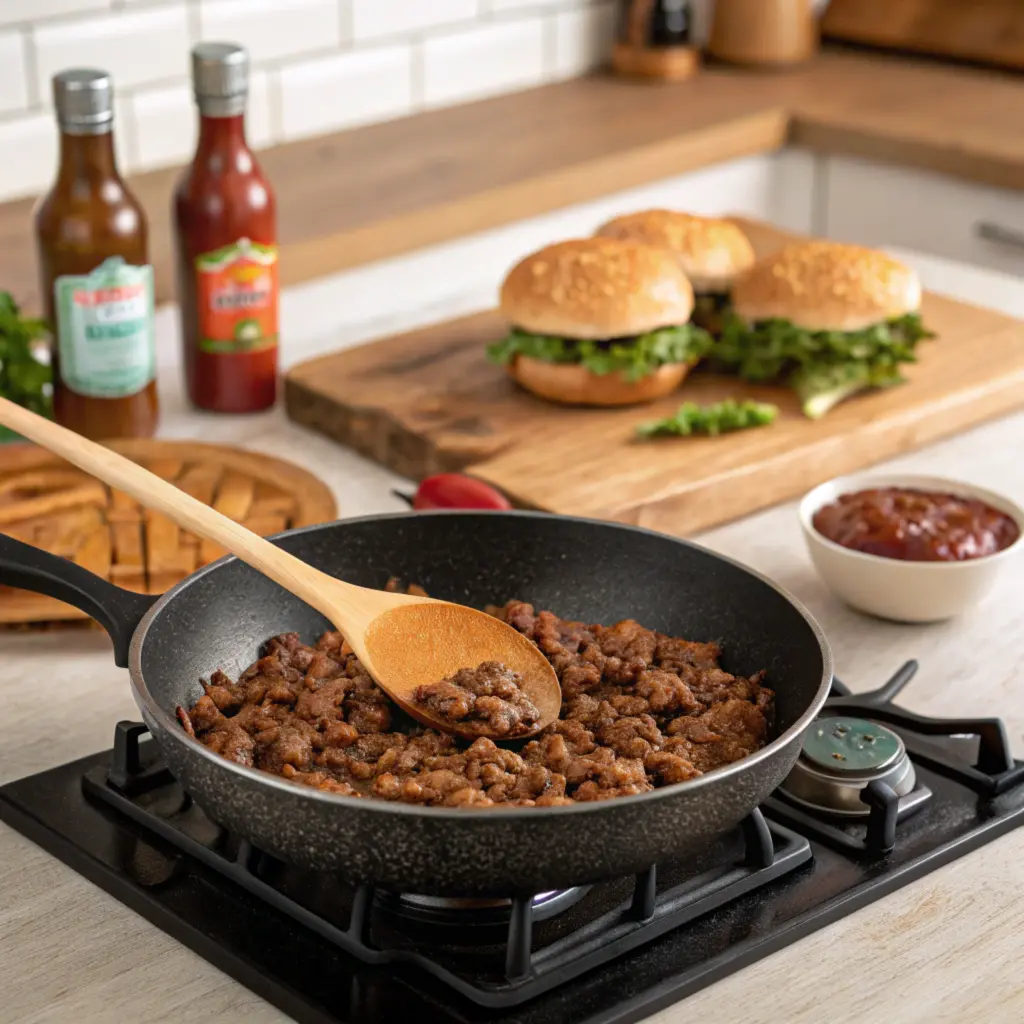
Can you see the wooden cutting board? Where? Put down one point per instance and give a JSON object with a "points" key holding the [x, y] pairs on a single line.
{"points": [[986, 31], [429, 401], [49, 503]]}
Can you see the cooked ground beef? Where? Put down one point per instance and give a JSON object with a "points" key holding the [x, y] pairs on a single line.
{"points": [[639, 710], [485, 701]]}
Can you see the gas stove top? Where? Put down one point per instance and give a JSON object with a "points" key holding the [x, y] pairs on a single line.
{"points": [[880, 797]]}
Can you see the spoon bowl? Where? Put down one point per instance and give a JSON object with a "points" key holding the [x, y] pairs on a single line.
{"points": [[403, 641]]}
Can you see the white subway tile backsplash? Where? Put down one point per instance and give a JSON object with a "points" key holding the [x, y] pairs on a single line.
{"points": [[124, 132], [500, 6], [480, 62], [372, 19], [164, 123], [258, 122], [34, 139], [320, 65], [13, 78], [346, 90], [272, 29], [13, 11], [163, 126], [583, 39], [136, 46]]}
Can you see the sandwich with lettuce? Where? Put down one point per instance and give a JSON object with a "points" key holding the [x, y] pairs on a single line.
{"points": [[829, 320], [599, 322], [711, 251]]}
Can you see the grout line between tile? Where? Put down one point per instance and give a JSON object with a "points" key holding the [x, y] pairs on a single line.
{"points": [[28, 49], [275, 105], [549, 46], [419, 74], [346, 23], [195, 21]]}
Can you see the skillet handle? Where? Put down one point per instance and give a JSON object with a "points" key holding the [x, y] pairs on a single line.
{"points": [[117, 611]]}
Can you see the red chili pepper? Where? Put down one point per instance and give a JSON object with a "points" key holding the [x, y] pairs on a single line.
{"points": [[453, 490]]}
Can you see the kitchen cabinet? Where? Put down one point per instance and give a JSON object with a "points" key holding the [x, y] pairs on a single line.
{"points": [[774, 187], [881, 204]]}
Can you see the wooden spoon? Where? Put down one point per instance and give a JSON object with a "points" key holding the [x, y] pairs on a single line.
{"points": [[402, 641]]}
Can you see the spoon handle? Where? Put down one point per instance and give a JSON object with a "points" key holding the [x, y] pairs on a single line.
{"points": [[314, 587]]}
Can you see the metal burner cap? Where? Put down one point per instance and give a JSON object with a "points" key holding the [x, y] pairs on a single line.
{"points": [[840, 757], [442, 910], [844, 745]]}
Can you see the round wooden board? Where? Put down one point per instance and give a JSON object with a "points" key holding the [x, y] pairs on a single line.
{"points": [[47, 502]]}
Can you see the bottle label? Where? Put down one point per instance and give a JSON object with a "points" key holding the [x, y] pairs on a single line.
{"points": [[105, 337], [236, 298]]}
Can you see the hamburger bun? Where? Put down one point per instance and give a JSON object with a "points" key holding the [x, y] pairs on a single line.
{"points": [[575, 385], [711, 252], [596, 288], [827, 286]]}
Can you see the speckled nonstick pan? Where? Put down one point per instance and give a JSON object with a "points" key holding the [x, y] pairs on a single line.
{"points": [[581, 569]]}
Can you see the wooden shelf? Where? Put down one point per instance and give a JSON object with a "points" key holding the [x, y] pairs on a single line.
{"points": [[363, 195]]}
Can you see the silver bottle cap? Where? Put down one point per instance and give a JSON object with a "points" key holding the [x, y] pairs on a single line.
{"points": [[220, 78], [84, 98]]}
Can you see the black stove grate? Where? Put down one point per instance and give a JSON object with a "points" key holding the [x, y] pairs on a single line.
{"points": [[324, 952], [981, 760], [768, 852]]}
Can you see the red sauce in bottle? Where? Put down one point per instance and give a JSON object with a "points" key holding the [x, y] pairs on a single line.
{"points": [[916, 526], [226, 241]]}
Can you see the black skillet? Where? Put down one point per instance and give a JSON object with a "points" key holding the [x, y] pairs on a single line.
{"points": [[581, 569]]}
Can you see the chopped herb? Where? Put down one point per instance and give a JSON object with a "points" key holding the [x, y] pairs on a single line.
{"points": [[24, 378], [719, 418], [635, 358]]}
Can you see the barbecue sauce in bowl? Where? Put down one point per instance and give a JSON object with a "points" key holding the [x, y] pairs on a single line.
{"points": [[916, 526]]}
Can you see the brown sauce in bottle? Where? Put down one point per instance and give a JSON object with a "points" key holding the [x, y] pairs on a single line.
{"points": [[97, 284]]}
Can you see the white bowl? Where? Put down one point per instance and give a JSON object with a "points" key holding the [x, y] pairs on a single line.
{"points": [[899, 590]]}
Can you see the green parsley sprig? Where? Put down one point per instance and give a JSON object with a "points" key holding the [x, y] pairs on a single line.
{"points": [[24, 379], [711, 420]]}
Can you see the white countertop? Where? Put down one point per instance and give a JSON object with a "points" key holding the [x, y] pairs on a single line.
{"points": [[940, 949]]}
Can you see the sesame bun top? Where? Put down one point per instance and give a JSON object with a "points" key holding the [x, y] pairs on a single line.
{"points": [[827, 286], [594, 288], [711, 251]]}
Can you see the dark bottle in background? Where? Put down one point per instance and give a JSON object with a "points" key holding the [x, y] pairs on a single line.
{"points": [[225, 230], [656, 22], [655, 39], [95, 276]]}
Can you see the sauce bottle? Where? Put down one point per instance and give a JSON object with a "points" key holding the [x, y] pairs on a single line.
{"points": [[96, 281], [226, 246]]}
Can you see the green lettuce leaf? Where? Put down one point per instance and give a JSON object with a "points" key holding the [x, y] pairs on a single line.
{"points": [[718, 418], [823, 366], [822, 386], [635, 358], [766, 350]]}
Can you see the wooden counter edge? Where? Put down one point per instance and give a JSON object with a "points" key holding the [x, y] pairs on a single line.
{"points": [[729, 117]]}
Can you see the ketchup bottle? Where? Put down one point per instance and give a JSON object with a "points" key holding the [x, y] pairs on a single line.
{"points": [[226, 247]]}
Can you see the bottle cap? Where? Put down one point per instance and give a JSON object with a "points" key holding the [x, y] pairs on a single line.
{"points": [[84, 98], [220, 78]]}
